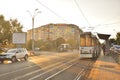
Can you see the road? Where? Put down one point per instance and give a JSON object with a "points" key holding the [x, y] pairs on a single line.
{"points": [[48, 66]]}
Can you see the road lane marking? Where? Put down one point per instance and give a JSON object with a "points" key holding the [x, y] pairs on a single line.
{"points": [[17, 70], [82, 71], [37, 71], [50, 70], [79, 75], [59, 72]]}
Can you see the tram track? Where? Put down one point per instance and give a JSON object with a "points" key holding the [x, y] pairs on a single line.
{"points": [[57, 66], [82, 68], [39, 71], [84, 71], [32, 66], [56, 69]]}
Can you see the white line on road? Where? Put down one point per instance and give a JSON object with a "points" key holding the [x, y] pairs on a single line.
{"points": [[16, 70], [59, 72], [37, 70], [79, 75], [50, 70], [82, 72]]}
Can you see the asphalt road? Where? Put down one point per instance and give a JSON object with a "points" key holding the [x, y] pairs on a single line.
{"points": [[47, 66]]}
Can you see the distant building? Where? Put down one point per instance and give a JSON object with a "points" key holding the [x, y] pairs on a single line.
{"points": [[54, 31]]}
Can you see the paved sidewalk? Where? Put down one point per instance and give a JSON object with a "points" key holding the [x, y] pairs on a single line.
{"points": [[105, 68]]}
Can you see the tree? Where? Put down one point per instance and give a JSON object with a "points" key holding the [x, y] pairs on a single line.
{"points": [[112, 41], [72, 42], [7, 28], [29, 44], [15, 26], [118, 38], [59, 41], [38, 43]]}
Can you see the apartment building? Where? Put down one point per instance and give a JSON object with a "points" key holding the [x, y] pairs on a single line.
{"points": [[54, 31]]}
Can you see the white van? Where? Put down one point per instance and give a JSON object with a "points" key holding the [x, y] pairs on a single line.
{"points": [[64, 47]]}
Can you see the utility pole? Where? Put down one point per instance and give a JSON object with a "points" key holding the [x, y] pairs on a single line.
{"points": [[33, 31]]}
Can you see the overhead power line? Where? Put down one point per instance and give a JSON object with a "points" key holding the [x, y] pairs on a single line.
{"points": [[112, 23], [51, 10], [82, 12], [105, 24]]}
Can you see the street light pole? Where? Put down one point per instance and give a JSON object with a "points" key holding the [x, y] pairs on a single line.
{"points": [[33, 31], [33, 37]]}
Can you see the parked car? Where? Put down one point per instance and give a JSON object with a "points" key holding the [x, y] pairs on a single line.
{"points": [[115, 48], [14, 54]]}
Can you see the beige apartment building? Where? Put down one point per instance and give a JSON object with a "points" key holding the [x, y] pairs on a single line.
{"points": [[54, 31]]}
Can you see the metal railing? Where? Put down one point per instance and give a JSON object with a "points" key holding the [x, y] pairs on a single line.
{"points": [[115, 55]]}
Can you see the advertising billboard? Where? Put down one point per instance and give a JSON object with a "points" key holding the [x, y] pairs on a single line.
{"points": [[19, 38]]}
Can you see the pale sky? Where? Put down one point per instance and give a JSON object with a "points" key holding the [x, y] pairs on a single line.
{"points": [[103, 15]]}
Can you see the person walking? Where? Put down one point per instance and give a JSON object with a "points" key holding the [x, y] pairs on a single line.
{"points": [[103, 48]]}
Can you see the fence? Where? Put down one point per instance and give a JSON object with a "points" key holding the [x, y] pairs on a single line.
{"points": [[116, 56]]}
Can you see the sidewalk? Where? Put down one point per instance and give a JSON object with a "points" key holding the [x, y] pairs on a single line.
{"points": [[105, 68]]}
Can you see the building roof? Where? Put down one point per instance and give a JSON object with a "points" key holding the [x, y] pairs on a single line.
{"points": [[59, 24], [103, 36]]}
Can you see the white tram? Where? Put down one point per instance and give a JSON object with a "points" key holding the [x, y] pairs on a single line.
{"points": [[89, 45]]}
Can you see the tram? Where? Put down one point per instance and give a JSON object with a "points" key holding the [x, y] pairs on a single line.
{"points": [[89, 46]]}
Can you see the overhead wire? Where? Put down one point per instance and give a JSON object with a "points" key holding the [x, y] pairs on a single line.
{"points": [[79, 10], [112, 23], [118, 22], [93, 27], [51, 10], [87, 19], [82, 12]]}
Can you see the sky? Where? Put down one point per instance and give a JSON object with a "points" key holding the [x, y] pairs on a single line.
{"points": [[98, 16]]}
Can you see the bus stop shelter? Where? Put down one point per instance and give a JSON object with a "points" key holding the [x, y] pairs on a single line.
{"points": [[105, 37]]}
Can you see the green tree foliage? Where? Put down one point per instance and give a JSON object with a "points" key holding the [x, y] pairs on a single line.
{"points": [[29, 44], [38, 43], [112, 41], [49, 45], [46, 45], [72, 42], [59, 41], [118, 38], [7, 28]]}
